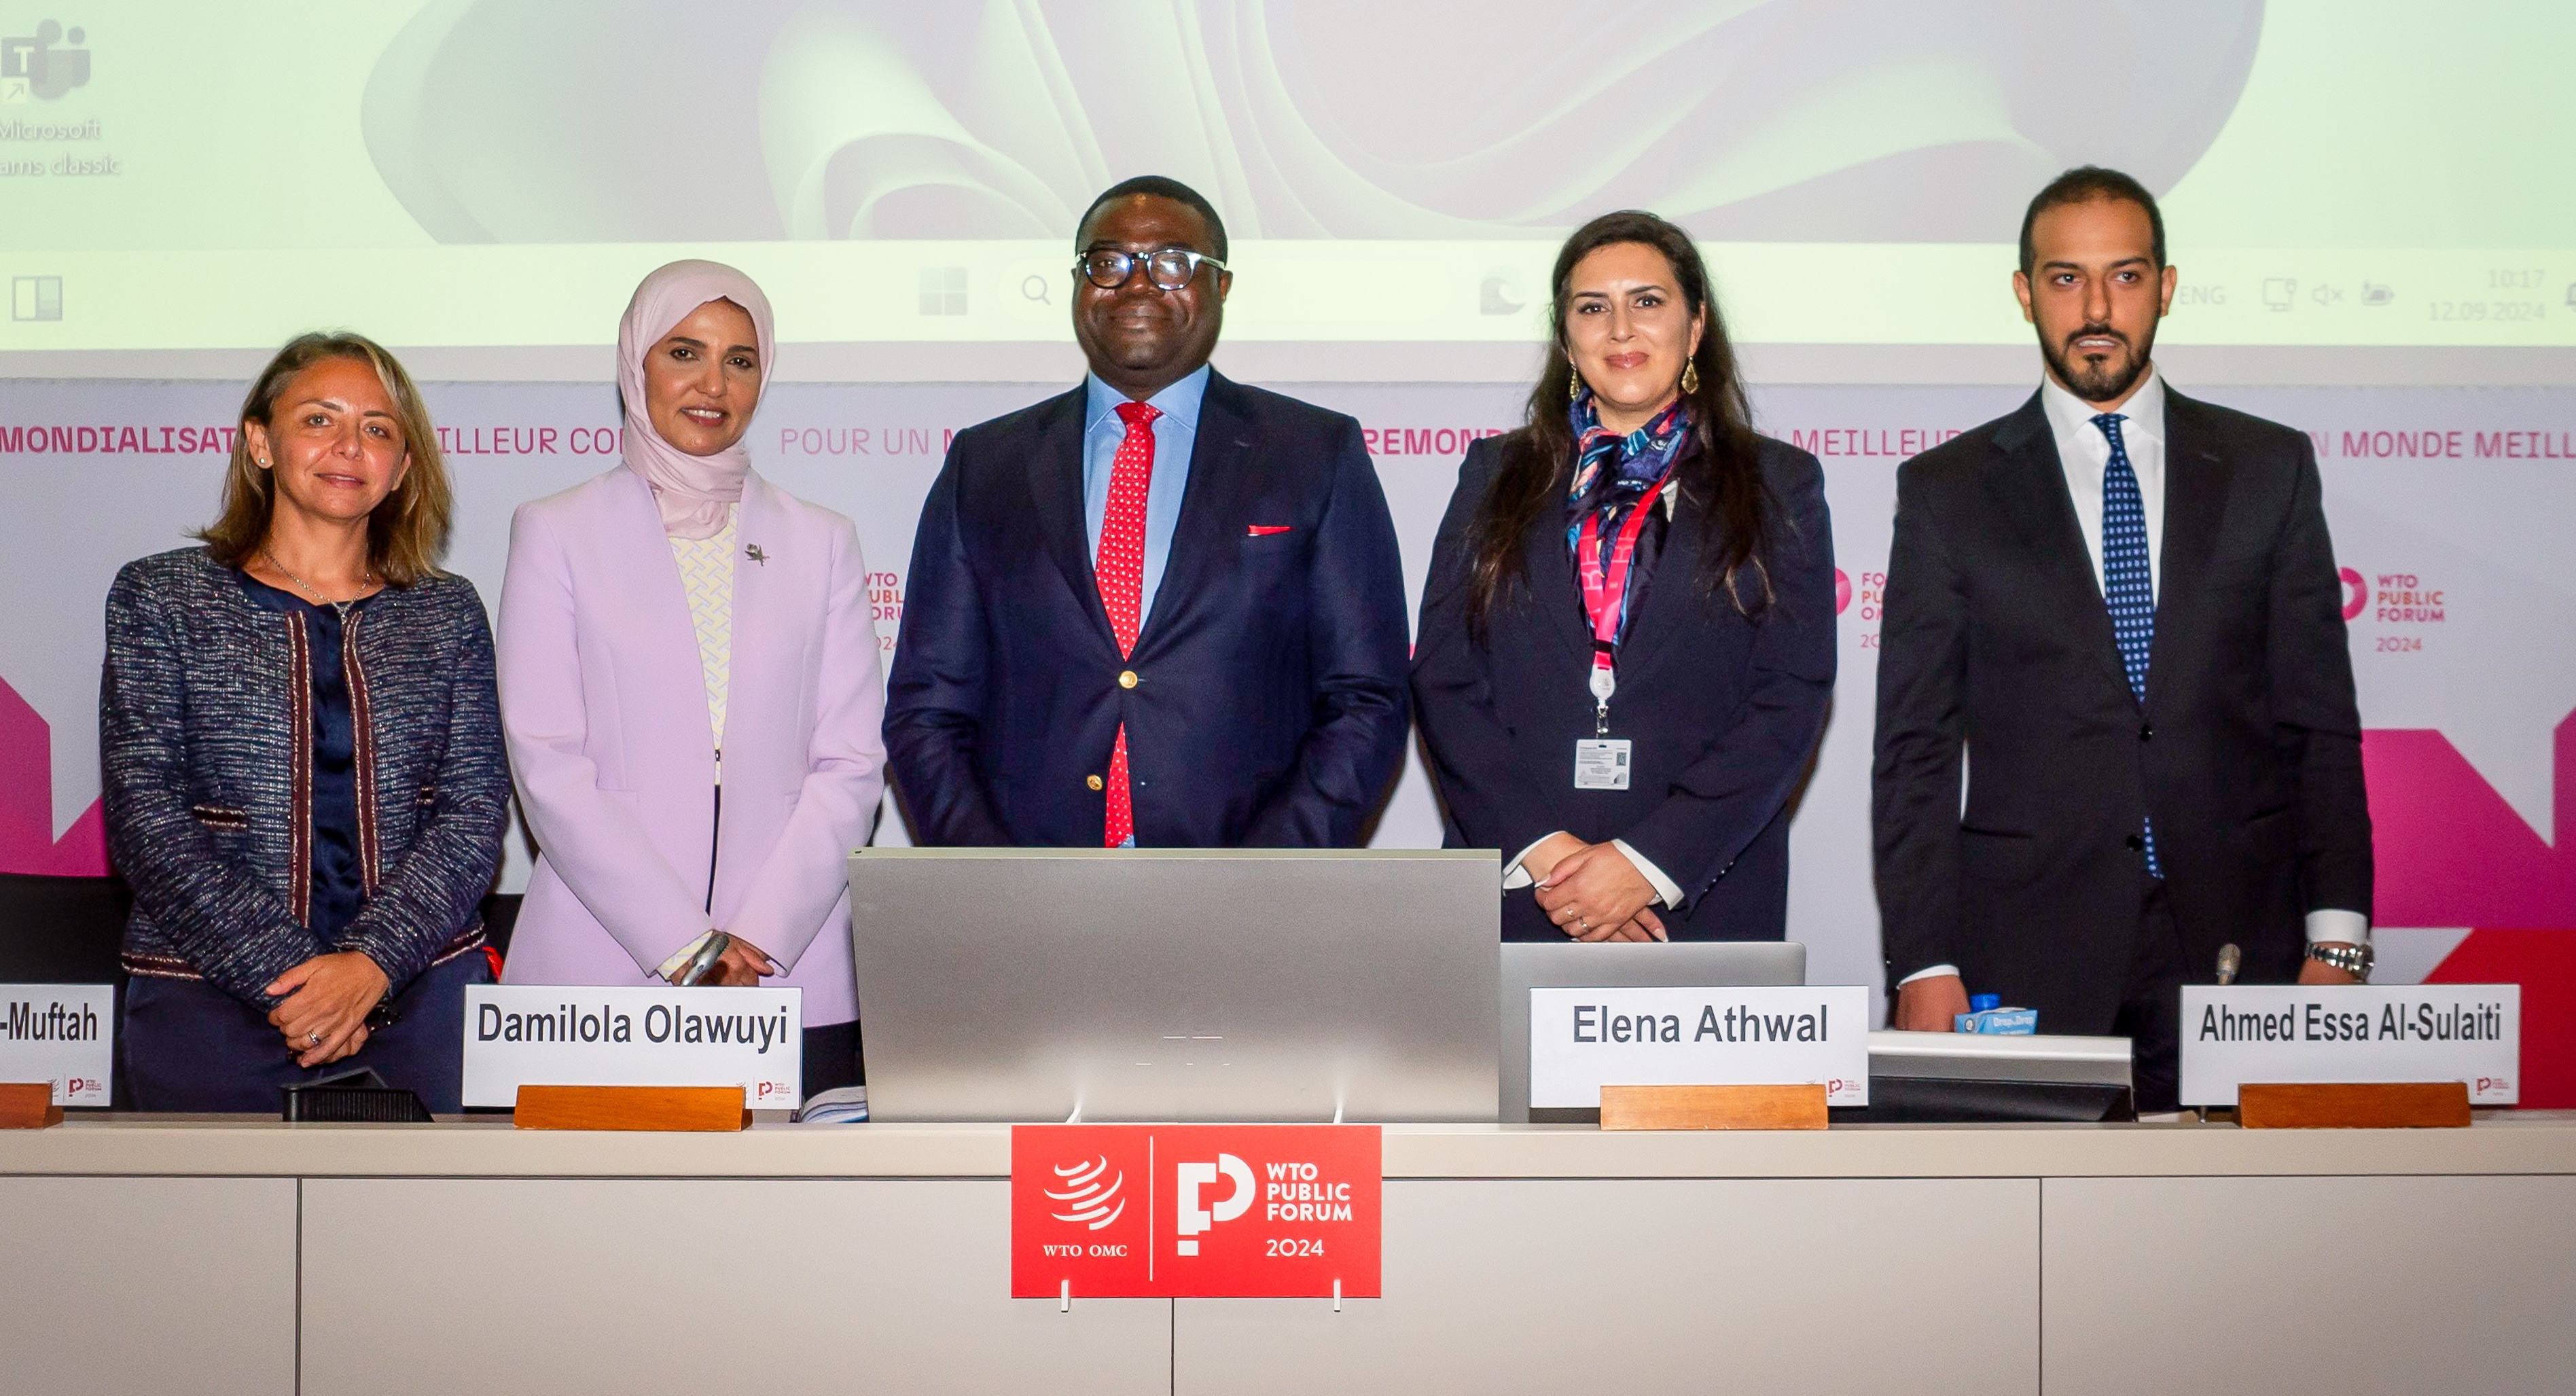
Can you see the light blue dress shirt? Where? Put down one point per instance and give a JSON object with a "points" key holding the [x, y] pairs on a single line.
{"points": [[1175, 432]]}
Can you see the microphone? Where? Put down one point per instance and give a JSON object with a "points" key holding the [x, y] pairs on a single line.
{"points": [[2230, 960], [704, 962]]}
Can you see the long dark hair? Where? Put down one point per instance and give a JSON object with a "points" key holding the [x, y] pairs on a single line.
{"points": [[1721, 479]]}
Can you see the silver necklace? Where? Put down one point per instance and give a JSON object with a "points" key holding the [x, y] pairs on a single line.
{"points": [[342, 607]]}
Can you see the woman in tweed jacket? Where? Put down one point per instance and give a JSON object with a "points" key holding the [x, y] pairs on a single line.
{"points": [[304, 774]]}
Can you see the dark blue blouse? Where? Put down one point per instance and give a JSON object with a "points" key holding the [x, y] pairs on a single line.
{"points": [[339, 885]]}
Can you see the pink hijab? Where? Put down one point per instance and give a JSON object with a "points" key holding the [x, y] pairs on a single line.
{"points": [[692, 491]]}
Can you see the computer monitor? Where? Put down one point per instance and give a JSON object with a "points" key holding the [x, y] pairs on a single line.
{"points": [[1177, 984], [1692, 964]]}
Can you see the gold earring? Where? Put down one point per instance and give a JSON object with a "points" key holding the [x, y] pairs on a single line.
{"points": [[1690, 376], [1573, 386]]}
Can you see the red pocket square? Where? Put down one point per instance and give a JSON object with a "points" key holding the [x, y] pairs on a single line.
{"points": [[1264, 530]]}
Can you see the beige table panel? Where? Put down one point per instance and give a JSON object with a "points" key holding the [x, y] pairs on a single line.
{"points": [[2351, 1285], [2501, 1142], [556, 1286], [129, 1285], [1780, 1284]]}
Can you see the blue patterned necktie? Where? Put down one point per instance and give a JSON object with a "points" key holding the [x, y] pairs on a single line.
{"points": [[2128, 587]]}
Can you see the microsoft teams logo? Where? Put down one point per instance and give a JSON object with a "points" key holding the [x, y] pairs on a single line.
{"points": [[31, 66]]}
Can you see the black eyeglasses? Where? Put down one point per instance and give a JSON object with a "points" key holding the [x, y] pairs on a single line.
{"points": [[1169, 268]]}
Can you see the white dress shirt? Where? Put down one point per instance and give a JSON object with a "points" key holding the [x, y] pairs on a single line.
{"points": [[2084, 453]]}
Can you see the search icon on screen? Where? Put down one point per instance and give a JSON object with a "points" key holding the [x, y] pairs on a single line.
{"points": [[1030, 292]]}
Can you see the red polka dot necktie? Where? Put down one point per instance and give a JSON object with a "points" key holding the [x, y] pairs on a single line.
{"points": [[1121, 570]]}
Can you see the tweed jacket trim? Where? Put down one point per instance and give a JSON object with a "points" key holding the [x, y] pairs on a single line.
{"points": [[299, 756], [353, 673]]}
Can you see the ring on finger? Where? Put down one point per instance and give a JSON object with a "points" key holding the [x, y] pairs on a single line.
{"points": [[313, 1038]]}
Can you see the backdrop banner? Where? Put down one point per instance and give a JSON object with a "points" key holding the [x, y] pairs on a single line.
{"points": [[2447, 506]]}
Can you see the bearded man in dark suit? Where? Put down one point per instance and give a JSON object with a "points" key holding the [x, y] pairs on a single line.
{"points": [[2117, 608]]}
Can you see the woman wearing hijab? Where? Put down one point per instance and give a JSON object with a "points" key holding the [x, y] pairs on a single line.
{"points": [[302, 752], [1627, 637], [690, 691]]}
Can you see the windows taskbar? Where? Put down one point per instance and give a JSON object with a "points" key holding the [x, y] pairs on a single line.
{"points": [[1319, 291]]}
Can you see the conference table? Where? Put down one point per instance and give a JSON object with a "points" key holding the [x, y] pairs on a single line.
{"points": [[142, 1253]]}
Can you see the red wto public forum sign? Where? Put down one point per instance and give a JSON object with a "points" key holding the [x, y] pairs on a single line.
{"points": [[1195, 1211]]}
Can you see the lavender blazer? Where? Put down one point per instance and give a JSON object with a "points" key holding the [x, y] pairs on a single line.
{"points": [[603, 702]]}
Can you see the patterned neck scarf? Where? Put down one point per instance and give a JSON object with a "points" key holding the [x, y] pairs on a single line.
{"points": [[1611, 472]]}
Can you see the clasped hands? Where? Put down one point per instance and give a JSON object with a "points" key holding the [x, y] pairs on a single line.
{"points": [[1591, 891], [324, 1003], [740, 967]]}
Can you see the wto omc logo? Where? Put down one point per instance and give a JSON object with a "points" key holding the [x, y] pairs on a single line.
{"points": [[2356, 592], [1091, 1191], [1195, 1218], [32, 67]]}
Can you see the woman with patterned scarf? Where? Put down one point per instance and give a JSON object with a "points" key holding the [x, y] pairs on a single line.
{"points": [[1627, 638]]}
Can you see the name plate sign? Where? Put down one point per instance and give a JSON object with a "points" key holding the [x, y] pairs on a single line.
{"points": [[1584, 1039], [62, 1033], [2304, 1034], [547, 1035]]}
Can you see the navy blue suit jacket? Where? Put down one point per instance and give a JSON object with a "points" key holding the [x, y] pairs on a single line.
{"points": [[1269, 708], [1724, 711]]}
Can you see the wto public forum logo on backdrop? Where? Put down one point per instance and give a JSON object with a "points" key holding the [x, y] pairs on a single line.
{"points": [[2402, 602], [32, 66], [2406, 598]]}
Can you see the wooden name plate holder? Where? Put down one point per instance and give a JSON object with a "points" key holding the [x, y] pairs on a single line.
{"points": [[2378, 1105], [698, 1108], [28, 1105], [1713, 1107]]}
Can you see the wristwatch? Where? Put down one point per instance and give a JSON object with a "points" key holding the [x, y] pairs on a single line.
{"points": [[2354, 960]]}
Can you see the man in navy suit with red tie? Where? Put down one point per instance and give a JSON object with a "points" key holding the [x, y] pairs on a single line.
{"points": [[1162, 609]]}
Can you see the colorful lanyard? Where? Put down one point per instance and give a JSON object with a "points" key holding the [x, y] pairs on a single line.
{"points": [[1605, 592]]}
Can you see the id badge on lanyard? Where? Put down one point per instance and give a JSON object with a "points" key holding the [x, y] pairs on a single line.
{"points": [[1601, 761]]}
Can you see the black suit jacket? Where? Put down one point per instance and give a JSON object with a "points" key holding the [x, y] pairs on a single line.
{"points": [[2247, 751], [1269, 707], [1724, 711]]}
